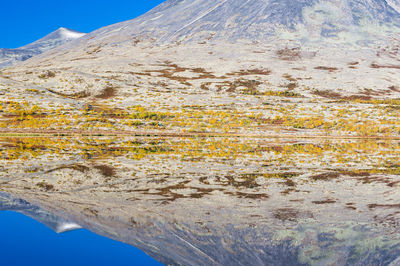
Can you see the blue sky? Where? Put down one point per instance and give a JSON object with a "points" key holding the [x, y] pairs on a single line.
{"points": [[24, 21]]}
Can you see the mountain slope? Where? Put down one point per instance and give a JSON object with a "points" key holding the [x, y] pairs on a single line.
{"points": [[257, 20], [395, 4], [54, 39], [350, 47]]}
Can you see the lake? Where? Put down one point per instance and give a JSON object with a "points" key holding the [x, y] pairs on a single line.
{"points": [[199, 201]]}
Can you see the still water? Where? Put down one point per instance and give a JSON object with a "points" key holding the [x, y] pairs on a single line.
{"points": [[200, 201], [27, 242]]}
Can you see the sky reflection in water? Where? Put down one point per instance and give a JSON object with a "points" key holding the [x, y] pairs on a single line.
{"points": [[25, 241]]}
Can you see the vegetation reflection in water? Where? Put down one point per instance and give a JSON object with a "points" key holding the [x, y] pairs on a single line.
{"points": [[219, 200]]}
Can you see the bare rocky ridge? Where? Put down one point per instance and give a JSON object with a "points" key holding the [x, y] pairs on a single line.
{"points": [[257, 20]]}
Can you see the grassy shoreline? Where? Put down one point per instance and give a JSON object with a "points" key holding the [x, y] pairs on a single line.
{"points": [[71, 133]]}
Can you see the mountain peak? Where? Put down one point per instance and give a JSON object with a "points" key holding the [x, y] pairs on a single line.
{"points": [[67, 33], [52, 221], [56, 38]]}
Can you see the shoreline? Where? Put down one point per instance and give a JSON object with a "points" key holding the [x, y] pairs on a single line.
{"points": [[79, 133]]}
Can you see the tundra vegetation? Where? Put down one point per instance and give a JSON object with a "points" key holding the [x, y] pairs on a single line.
{"points": [[170, 99], [362, 118]]}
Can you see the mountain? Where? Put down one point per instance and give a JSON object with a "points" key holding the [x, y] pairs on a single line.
{"points": [[350, 47], [54, 39], [258, 20]]}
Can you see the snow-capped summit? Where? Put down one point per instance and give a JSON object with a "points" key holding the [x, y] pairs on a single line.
{"points": [[54, 39], [52, 221]]}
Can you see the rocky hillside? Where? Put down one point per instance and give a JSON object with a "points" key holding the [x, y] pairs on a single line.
{"points": [[257, 20]]}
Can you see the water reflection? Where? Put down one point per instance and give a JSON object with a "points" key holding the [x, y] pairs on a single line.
{"points": [[231, 201], [54, 222]]}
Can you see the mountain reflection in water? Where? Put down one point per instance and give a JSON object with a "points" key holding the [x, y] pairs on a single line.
{"points": [[56, 223], [210, 201]]}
